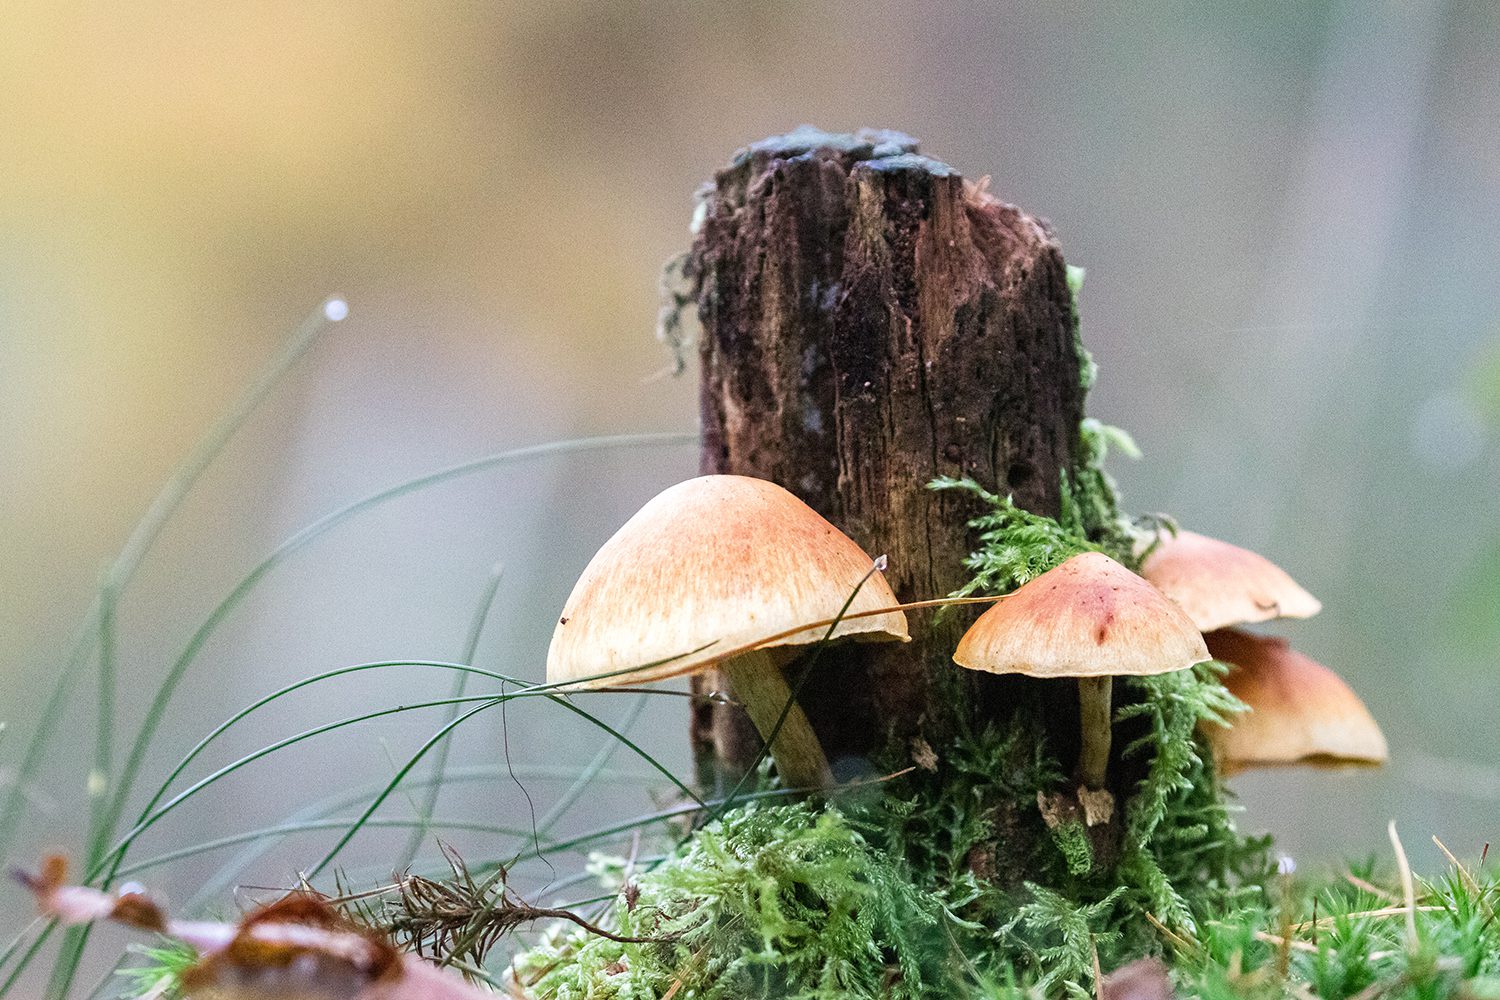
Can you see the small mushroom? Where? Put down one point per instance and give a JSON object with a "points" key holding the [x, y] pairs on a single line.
{"points": [[713, 565], [1300, 711], [1219, 584], [1092, 619]]}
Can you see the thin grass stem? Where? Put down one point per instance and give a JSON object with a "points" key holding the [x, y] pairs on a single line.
{"points": [[395, 782], [309, 826], [326, 807], [460, 688], [139, 544], [590, 772], [306, 536]]}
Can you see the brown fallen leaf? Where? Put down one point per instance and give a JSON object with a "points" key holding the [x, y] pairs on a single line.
{"points": [[298, 948]]}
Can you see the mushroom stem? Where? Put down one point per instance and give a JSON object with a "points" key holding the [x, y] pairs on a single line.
{"points": [[1095, 712], [759, 685]]}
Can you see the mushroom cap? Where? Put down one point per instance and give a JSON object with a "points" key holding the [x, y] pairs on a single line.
{"points": [[1219, 584], [708, 566], [1300, 711], [1089, 617]]}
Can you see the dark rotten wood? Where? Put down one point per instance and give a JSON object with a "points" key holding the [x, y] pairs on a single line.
{"points": [[871, 320]]}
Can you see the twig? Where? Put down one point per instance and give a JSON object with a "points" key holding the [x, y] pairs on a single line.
{"points": [[464, 917], [1177, 940], [1285, 943]]}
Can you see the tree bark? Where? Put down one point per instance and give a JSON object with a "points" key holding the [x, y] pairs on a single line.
{"points": [[870, 321]]}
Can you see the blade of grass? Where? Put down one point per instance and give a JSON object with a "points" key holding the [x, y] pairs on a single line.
{"points": [[139, 544], [68, 960], [322, 809], [395, 782], [181, 767], [500, 700], [114, 857], [168, 686], [549, 690], [460, 686], [99, 777], [152, 721], [309, 826], [590, 772]]}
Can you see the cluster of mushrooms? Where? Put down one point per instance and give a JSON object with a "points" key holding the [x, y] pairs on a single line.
{"points": [[740, 570]]}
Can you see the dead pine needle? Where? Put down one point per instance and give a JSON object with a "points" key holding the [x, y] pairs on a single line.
{"points": [[687, 970], [1408, 886], [1388, 911], [1370, 887]]}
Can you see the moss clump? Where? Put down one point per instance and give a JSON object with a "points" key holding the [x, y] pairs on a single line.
{"points": [[1361, 946], [1015, 545], [783, 901], [915, 891]]}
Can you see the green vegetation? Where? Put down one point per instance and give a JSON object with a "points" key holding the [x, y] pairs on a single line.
{"points": [[942, 880], [952, 913], [160, 972], [1369, 941], [768, 901], [797, 902]]}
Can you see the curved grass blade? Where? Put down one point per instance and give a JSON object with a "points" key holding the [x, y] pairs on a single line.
{"points": [[139, 544], [310, 826], [501, 700], [306, 536], [524, 690], [460, 687], [395, 782], [224, 878], [591, 771]]}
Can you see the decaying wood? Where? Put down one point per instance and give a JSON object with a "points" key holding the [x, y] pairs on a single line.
{"points": [[870, 321]]}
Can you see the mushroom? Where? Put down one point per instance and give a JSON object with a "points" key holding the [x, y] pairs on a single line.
{"points": [[1300, 711], [698, 578], [1092, 619], [1219, 584]]}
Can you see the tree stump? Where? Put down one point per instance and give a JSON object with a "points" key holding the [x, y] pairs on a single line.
{"points": [[870, 321]]}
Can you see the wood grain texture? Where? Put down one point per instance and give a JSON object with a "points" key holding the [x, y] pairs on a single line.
{"points": [[870, 321]]}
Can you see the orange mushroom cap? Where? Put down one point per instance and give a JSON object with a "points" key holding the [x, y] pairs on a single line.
{"points": [[1219, 584], [1089, 617], [1300, 711], [705, 567]]}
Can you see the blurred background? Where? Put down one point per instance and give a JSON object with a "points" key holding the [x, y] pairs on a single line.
{"points": [[1289, 213]]}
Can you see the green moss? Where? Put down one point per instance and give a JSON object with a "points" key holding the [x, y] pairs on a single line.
{"points": [[159, 975], [1180, 858], [768, 901], [1072, 840], [1088, 371], [948, 881], [1015, 545], [1361, 946]]}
